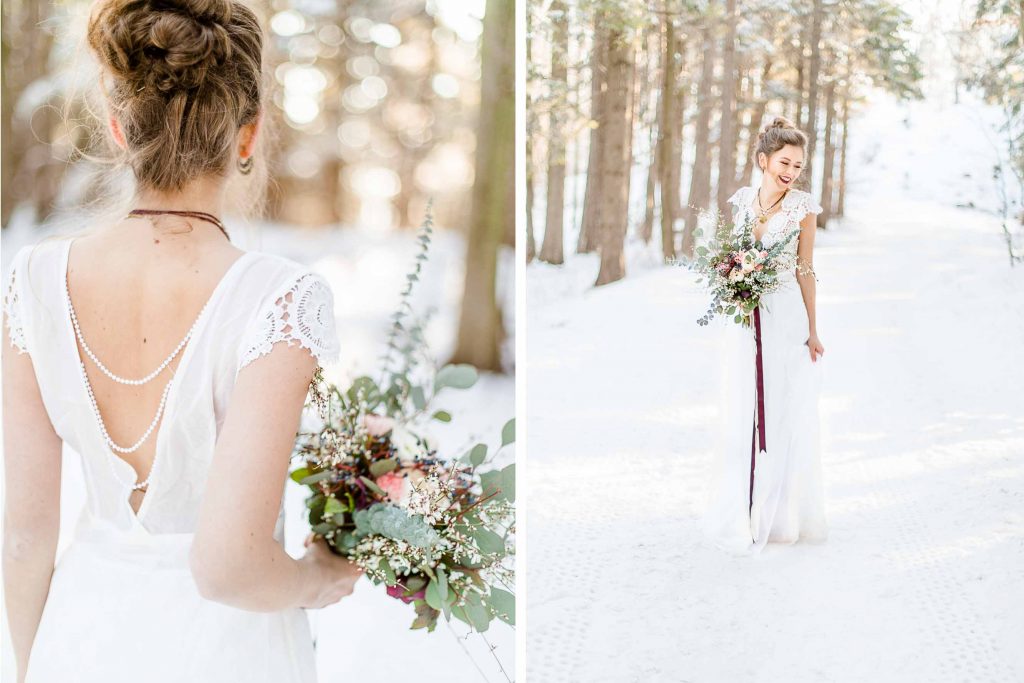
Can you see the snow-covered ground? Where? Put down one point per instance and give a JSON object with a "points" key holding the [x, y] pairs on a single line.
{"points": [[366, 636], [922, 319]]}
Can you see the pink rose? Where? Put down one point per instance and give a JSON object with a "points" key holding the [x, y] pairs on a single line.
{"points": [[378, 425], [393, 485]]}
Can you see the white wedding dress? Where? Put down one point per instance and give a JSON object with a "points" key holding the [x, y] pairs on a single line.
{"points": [[788, 500], [123, 606]]}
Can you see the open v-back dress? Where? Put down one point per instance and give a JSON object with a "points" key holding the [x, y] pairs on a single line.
{"points": [[123, 606]]}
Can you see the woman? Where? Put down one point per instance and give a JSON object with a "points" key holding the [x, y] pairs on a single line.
{"points": [[177, 366], [767, 485]]}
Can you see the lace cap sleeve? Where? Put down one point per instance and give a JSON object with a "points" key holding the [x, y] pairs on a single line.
{"points": [[738, 197], [13, 303], [303, 313], [802, 203]]}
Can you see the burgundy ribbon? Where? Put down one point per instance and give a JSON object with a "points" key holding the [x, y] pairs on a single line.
{"points": [[758, 431]]}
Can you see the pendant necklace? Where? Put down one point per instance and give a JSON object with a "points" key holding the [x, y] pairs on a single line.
{"points": [[763, 211]]}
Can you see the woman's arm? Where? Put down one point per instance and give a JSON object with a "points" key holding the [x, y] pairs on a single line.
{"points": [[235, 558], [32, 467], [805, 276]]}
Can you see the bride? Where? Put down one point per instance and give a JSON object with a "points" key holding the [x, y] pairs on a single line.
{"points": [[177, 366], [767, 483]]}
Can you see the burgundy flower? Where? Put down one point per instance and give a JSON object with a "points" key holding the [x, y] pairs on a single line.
{"points": [[398, 591]]}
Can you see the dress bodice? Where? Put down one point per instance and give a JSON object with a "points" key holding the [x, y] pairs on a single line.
{"points": [[249, 311], [795, 205]]}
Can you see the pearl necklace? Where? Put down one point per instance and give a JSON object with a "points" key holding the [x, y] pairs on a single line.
{"points": [[92, 397], [106, 436], [123, 380]]}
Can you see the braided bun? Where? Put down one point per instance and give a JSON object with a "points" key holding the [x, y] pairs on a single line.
{"points": [[172, 59]]}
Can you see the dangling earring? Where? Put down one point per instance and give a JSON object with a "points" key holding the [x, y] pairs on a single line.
{"points": [[245, 165]]}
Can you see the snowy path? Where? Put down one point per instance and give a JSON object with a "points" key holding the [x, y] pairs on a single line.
{"points": [[922, 435]]}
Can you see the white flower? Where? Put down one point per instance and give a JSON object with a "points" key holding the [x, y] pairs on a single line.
{"points": [[749, 261], [406, 443]]}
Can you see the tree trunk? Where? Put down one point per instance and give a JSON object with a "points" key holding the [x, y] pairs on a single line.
{"points": [[812, 94], [481, 331], [651, 201], [614, 157], [727, 138], [800, 74], [841, 194], [700, 179], [829, 156], [531, 241], [671, 149], [754, 125], [592, 196], [552, 249]]}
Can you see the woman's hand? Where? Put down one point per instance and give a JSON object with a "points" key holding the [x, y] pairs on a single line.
{"points": [[339, 574], [815, 347]]}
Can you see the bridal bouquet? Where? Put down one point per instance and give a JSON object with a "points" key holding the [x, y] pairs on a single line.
{"points": [[436, 531], [738, 271]]}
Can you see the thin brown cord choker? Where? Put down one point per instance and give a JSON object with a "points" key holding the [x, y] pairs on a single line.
{"points": [[201, 215]]}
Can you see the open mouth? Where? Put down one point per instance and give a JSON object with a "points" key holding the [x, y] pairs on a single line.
{"points": [[785, 179]]}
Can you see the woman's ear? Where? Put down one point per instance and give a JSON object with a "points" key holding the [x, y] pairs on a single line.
{"points": [[247, 135], [762, 160], [115, 130]]}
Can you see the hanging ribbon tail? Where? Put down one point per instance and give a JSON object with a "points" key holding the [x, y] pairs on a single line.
{"points": [[758, 435]]}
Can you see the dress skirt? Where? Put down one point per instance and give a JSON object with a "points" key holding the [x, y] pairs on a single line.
{"points": [[788, 498], [123, 608]]}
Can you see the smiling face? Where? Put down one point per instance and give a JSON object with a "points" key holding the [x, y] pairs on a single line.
{"points": [[783, 167]]}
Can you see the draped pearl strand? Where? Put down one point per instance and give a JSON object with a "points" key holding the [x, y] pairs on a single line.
{"points": [[122, 380]]}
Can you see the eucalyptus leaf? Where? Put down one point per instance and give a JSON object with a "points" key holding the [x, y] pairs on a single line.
{"points": [[373, 486], [381, 467], [508, 482], [442, 584], [459, 376], [371, 393], [491, 482], [508, 432], [459, 613], [298, 475], [489, 542], [477, 613], [442, 416], [332, 507], [433, 596], [477, 455], [422, 621], [314, 478], [385, 567], [504, 603], [415, 583]]}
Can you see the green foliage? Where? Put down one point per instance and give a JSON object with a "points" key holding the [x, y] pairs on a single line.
{"points": [[395, 523]]}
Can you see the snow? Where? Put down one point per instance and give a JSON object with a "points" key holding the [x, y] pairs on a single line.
{"points": [[360, 636], [922, 320]]}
